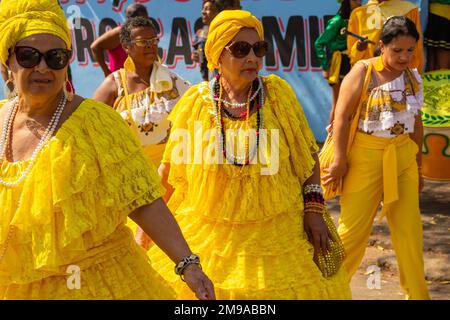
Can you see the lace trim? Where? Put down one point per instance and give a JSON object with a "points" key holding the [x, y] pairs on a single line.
{"points": [[388, 121]]}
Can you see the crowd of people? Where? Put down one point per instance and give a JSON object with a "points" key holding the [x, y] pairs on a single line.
{"points": [[156, 188]]}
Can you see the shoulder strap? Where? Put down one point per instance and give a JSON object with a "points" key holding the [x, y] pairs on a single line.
{"points": [[409, 77], [123, 79], [355, 120]]}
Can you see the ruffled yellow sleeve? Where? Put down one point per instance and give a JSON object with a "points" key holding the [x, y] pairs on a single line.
{"points": [[178, 150], [300, 139], [85, 183]]}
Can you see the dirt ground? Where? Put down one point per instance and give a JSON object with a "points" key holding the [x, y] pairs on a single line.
{"points": [[435, 207]]}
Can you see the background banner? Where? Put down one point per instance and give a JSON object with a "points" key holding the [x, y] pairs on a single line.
{"points": [[291, 27]]}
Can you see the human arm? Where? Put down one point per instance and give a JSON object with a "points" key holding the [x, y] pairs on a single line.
{"points": [[107, 91], [314, 224], [349, 95], [157, 221], [107, 41], [417, 137], [357, 49]]}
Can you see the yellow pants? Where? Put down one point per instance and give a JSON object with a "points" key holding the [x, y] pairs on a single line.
{"points": [[382, 169]]}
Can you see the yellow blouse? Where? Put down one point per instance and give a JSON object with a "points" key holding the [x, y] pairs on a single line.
{"points": [[391, 108], [293, 166], [73, 205], [150, 108]]}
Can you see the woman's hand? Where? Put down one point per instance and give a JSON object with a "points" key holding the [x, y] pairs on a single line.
{"points": [[142, 239], [317, 231], [335, 173], [199, 282], [362, 45]]}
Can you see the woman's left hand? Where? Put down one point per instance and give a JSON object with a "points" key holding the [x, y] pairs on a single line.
{"points": [[317, 232], [199, 282]]}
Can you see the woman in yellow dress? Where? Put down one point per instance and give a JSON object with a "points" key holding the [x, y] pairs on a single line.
{"points": [[71, 173], [383, 164], [145, 91], [242, 212]]}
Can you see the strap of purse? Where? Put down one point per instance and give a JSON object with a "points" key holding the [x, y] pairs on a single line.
{"points": [[123, 79], [355, 119]]}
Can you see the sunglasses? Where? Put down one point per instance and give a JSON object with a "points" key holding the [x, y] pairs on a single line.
{"points": [[241, 49], [146, 42], [28, 57]]}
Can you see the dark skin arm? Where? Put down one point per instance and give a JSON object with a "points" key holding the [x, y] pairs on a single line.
{"points": [[314, 225], [349, 95], [107, 91], [107, 41]]}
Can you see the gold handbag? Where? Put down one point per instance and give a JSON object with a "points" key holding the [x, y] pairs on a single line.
{"points": [[326, 155], [330, 262]]}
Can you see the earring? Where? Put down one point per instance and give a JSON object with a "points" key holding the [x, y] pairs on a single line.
{"points": [[68, 90], [10, 90]]}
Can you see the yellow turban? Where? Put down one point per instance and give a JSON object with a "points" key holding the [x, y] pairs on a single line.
{"points": [[224, 27], [20, 19]]}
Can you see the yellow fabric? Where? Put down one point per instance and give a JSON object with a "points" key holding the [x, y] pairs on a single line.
{"points": [[224, 27], [440, 9], [370, 160], [326, 155], [247, 227], [377, 98], [154, 151], [20, 19], [72, 210], [335, 67], [368, 21]]}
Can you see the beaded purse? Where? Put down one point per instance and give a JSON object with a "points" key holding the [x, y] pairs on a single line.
{"points": [[330, 262]]}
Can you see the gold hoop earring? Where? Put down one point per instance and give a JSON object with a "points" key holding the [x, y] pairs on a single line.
{"points": [[68, 90], [10, 90]]}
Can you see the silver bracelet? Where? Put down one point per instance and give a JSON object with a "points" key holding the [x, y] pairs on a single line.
{"points": [[192, 259], [310, 188]]}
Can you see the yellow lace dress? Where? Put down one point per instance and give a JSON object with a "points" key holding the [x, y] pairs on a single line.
{"points": [[247, 227], [62, 229]]}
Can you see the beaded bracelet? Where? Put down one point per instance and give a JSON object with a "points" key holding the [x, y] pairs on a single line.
{"points": [[312, 188], [186, 261], [315, 207], [314, 197]]}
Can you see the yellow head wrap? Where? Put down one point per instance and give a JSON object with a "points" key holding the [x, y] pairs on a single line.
{"points": [[224, 27], [20, 19]]}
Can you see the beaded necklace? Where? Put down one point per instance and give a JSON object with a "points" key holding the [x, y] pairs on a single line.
{"points": [[216, 95]]}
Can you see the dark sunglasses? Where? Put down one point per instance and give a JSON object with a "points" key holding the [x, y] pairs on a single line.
{"points": [[28, 57], [241, 49]]}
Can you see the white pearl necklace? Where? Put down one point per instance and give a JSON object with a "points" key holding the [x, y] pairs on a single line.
{"points": [[6, 133], [236, 105]]}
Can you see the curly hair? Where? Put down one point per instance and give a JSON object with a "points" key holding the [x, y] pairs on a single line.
{"points": [[134, 23]]}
